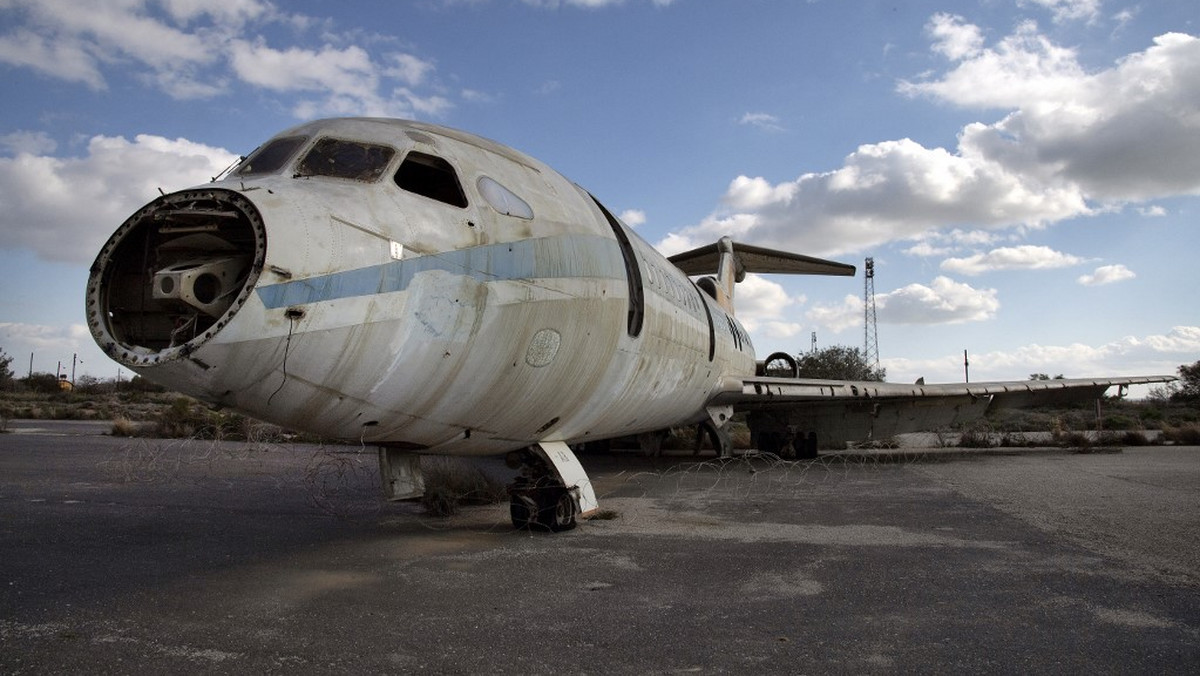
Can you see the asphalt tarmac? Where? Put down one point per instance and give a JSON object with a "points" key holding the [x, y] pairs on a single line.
{"points": [[153, 556]]}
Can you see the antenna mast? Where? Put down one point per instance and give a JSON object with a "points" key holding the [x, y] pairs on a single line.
{"points": [[870, 331]]}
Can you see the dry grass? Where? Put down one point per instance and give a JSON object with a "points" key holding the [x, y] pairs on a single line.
{"points": [[453, 482], [1187, 434], [124, 427]]}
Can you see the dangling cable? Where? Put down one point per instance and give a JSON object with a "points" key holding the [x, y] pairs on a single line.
{"points": [[286, 347]]}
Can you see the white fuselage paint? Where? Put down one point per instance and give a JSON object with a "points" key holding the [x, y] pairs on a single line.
{"points": [[488, 333]]}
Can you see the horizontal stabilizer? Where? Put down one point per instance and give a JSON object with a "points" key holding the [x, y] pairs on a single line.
{"points": [[706, 259]]}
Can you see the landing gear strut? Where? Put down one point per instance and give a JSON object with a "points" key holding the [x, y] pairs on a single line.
{"points": [[538, 500]]}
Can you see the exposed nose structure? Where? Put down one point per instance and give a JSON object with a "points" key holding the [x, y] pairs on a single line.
{"points": [[174, 274]]}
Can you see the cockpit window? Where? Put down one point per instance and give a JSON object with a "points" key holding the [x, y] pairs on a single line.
{"points": [[270, 157], [431, 177], [504, 200], [345, 159]]}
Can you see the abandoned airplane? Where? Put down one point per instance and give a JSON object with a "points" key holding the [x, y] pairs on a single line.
{"points": [[428, 291]]}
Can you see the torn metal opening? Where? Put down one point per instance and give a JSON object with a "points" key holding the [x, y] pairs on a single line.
{"points": [[174, 273]]}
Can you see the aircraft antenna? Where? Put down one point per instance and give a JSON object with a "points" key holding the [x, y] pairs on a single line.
{"points": [[870, 331]]}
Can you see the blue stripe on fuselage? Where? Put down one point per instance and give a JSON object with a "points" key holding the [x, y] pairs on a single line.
{"points": [[542, 258]]}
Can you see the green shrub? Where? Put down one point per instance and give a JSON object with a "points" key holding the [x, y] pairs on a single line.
{"points": [[1119, 422]]}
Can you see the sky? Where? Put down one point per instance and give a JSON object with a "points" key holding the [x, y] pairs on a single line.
{"points": [[1025, 174]]}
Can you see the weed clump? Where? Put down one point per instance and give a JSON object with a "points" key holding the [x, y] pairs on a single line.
{"points": [[452, 482], [1186, 434], [973, 437], [124, 427]]}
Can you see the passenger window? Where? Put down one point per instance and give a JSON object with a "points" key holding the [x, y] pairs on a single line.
{"points": [[504, 200], [431, 177], [270, 158], [345, 159]]}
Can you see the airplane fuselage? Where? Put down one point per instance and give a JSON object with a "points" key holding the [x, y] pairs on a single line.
{"points": [[412, 286]]}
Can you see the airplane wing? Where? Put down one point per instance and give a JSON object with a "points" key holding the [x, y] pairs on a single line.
{"points": [[838, 411]]}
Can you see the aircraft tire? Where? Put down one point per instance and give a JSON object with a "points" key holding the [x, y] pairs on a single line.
{"points": [[557, 512], [770, 442], [806, 445], [522, 510]]}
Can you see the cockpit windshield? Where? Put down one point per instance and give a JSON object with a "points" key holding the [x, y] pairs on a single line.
{"points": [[270, 157], [345, 159]]}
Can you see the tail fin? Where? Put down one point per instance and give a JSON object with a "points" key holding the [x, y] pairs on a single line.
{"points": [[731, 261]]}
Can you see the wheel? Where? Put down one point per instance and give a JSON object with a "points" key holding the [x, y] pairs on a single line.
{"points": [[522, 510], [770, 442], [564, 513], [788, 450], [807, 446], [556, 510]]}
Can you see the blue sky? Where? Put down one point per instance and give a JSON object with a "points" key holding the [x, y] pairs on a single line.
{"points": [[1025, 173]]}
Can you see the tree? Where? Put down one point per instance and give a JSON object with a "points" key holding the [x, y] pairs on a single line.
{"points": [[89, 384], [6, 373], [45, 383], [838, 362], [1043, 376], [1188, 389]]}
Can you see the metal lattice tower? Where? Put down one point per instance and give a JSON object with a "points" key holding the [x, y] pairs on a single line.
{"points": [[870, 331]]}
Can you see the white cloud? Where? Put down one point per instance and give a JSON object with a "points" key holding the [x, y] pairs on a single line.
{"points": [[837, 318], [1107, 274], [1067, 10], [1147, 355], [346, 80], [944, 301], [28, 142], [953, 37], [1125, 133], [408, 69], [757, 193], [884, 191], [763, 307], [60, 40], [338, 71], [1011, 258], [587, 4], [63, 59], [1074, 143], [192, 50], [633, 217], [938, 243], [64, 208], [972, 237], [764, 121], [1023, 69], [927, 250], [42, 337], [230, 12]]}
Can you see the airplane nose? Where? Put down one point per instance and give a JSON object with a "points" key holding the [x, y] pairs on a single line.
{"points": [[174, 274]]}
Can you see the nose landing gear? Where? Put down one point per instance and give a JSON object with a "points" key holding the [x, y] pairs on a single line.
{"points": [[551, 491], [537, 498]]}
